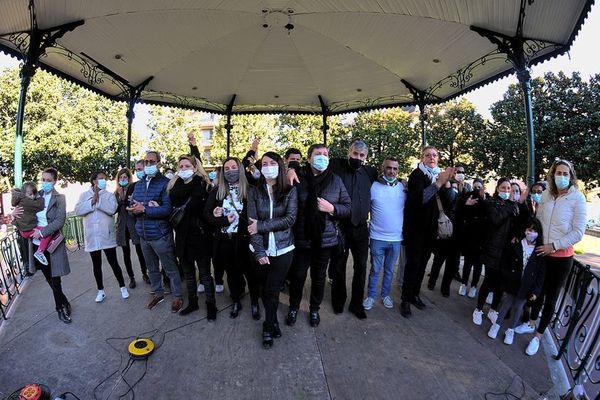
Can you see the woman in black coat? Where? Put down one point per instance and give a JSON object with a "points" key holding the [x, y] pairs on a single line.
{"points": [[500, 214], [272, 210], [192, 240], [226, 209], [522, 277], [125, 226]]}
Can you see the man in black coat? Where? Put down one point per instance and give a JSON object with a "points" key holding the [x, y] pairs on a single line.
{"points": [[358, 179], [421, 223]]}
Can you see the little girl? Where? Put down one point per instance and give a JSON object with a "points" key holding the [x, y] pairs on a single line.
{"points": [[522, 277], [32, 203]]}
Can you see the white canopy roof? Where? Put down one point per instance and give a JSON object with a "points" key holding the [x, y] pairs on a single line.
{"points": [[352, 53]]}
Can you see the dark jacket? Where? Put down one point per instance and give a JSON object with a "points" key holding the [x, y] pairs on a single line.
{"points": [[469, 223], [222, 222], [28, 220], [514, 280], [499, 223], [358, 186], [336, 194], [154, 223], [421, 219], [281, 223], [126, 220], [190, 235]]}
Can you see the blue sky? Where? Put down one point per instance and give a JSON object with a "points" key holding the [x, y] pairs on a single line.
{"points": [[583, 57]]}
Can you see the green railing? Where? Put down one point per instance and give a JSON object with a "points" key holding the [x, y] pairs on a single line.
{"points": [[14, 260]]}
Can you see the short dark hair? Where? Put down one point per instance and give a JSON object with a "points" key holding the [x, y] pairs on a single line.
{"points": [[290, 151], [139, 162], [155, 153], [461, 165], [314, 147], [51, 171], [390, 159]]}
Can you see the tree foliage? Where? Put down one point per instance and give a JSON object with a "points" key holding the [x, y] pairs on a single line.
{"points": [[65, 126]]}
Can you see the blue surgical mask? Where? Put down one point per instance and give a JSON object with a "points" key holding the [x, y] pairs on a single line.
{"points": [[140, 174], [101, 184], [320, 162], [562, 182], [536, 197], [124, 182], [185, 175], [47, 186], [212, 175], [504, 195], [150, 170]]}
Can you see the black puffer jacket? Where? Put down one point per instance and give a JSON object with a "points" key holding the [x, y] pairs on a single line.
{"points": [[516, 281], [335, 193], [499, 222], [284, 216], [470, 223]]}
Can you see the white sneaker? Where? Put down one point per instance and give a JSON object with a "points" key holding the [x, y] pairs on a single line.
{"points": [[472, 293], [462, 290], [477, 317], [40, 257], [509, 335], [493, 332], [100, 296], [368, 303], [124, 293], [388, 302], [533, 346], [524, 328], [490, 298], [200, 288], [219, 288], [492, 316]]}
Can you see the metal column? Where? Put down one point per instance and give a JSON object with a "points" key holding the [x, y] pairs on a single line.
{"points": [[325, 115], [228, 126]]}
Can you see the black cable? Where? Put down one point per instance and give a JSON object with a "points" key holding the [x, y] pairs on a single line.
{"points": [[64, 395], [506, 393]]}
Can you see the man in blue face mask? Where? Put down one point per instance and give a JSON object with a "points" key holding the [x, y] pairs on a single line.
{"points": [[152, 207]]}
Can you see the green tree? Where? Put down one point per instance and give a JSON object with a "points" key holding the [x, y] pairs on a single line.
{"points": [[301, 131], [566, 116], [66, 127], [388, 133], [455, 128], [169, 127]]}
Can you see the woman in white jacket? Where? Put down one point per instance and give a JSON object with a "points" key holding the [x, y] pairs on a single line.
{"points": [[562, 212], [97, 207]]}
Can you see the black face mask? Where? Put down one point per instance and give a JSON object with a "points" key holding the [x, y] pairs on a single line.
{"points": [[294, 164], [355, 163]]}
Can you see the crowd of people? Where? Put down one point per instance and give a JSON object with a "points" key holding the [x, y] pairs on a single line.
{"points": [[266, 220]]}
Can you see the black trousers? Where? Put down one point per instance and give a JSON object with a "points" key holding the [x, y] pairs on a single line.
{"points": [[270, 278], [203, 262], [234, 254], [317, 260], [127, 259], [111, 256], [444, 251], [491, 283], [556, 271], [55, 282], [356, 241], [218, 267], [472, 261], [418, 253]]}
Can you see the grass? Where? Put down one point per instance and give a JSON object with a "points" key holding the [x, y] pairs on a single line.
{"points": [[589, 244]]}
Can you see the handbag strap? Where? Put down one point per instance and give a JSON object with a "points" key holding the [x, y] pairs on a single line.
{"points": [[439, 202]]}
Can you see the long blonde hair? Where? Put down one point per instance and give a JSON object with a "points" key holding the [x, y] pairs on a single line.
{"points": [[223, 187], [196, 164]]}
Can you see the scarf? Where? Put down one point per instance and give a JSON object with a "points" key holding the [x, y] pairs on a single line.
{"points": [[315, 220], [431, 173]]}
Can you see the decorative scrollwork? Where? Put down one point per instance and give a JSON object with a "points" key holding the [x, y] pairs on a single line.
{"points": [[20, 41], [176, 100]]}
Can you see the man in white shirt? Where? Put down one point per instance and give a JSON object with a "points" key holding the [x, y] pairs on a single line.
{"points": [[387, 214]]}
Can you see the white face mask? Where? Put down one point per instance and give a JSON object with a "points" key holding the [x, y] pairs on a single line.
{"points": [[185, 175], [460, 177], [169, 175], [517, 196], [270, 171]]}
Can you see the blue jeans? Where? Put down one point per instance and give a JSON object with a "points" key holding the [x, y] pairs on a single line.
{"points": [[161, 250], [384, 254]]}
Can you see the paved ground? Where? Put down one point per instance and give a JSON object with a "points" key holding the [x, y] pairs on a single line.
{"points": [[437, 354]]}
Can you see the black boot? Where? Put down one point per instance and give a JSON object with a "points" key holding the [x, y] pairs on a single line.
{"points": [[276, 331], [267, 336], [235, 310], [255, 312], [63, 316], [314, 319], [290, 320], [191, 307], [67, 308], [211, 312]]}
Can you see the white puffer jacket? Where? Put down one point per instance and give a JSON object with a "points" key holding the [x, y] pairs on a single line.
{"points": [[98, 222], [563, 219]]}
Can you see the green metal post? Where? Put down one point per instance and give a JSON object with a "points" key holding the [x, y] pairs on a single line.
{"points": [[525, 79], [26, 75]]}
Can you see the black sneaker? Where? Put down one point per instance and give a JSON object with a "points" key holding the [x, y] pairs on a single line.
{"points": [[290, 320]]}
